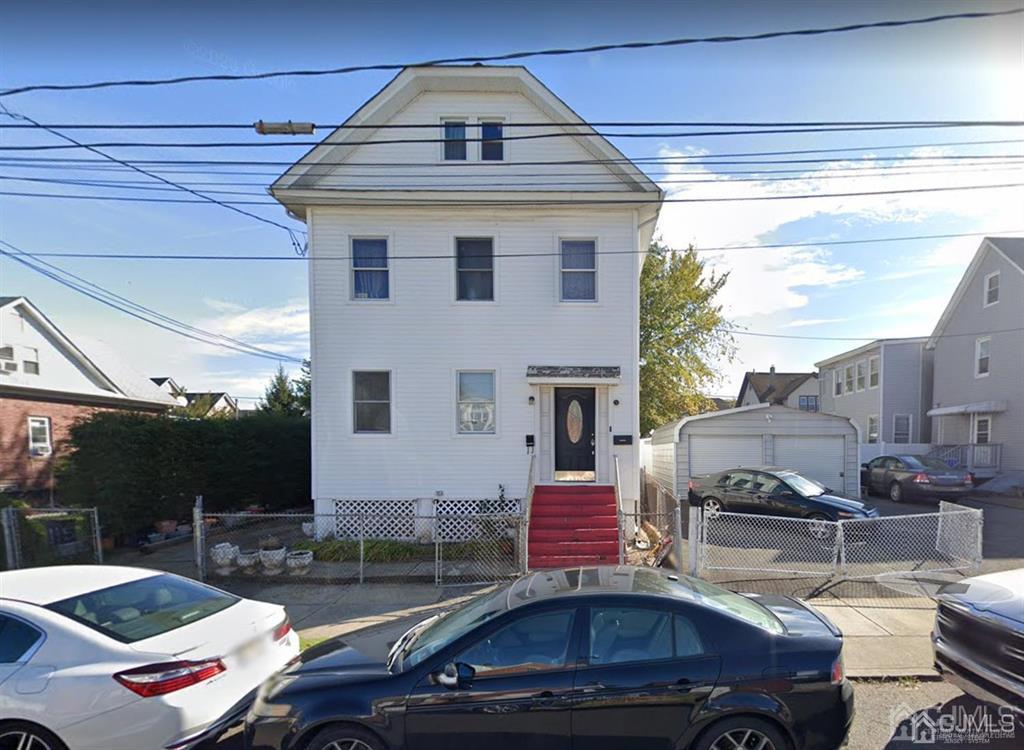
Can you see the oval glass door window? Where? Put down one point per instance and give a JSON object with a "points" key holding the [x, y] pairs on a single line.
{"points": [[574, 421]]}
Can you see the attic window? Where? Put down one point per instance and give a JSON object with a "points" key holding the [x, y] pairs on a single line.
{"points": [[492, 147], [6, 352], [454, 140]]}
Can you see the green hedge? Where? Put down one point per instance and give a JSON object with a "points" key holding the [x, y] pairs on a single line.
{"points": [[138, 469]]}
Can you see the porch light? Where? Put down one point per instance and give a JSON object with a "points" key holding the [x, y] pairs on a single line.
{"points": [[531, 400]]}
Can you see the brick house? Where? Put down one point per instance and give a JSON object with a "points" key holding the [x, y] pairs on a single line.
{"points": [[47, 382]]}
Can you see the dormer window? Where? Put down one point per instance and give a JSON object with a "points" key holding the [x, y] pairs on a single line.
{"points": [[492, 147], [991, 289], [454, 140]]}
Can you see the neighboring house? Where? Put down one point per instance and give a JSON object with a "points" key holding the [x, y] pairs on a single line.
{"points": [[977, 405], [47, 382], [443, 375], [797, 390], [217, 404], [883, 387], [172, 389]]}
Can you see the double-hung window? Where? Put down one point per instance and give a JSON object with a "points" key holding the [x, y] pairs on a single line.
{"points": [[454, 140], [370, 276], [837, 382], [981, 360], [901, 428], [578, 270], [474, 269], [982, 429], [874, 372], [492, 147], [39, 436], [861, 375], [848, 376], [371, 401], [873, 428], [991, 289], [476, 402], [808, 403]]}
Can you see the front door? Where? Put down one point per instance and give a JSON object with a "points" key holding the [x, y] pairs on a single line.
{"points": [[575, 436]]}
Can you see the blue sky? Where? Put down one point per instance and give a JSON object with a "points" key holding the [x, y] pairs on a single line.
{"points": [[958, 70]]}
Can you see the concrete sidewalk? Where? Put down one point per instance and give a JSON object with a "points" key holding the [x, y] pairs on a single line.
{"points": [[883, 637]]}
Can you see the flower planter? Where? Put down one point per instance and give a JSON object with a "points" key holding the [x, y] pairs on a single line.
{"points": [[298, 562], [273, 560], [248, 560], [307, 528], [224, 556]]}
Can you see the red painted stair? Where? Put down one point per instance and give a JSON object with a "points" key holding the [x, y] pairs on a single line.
{"points": [[573, 525]]}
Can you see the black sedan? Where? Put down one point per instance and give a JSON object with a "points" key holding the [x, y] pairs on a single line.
{"points": [[914, 477], [609, 658], [775, 491]]}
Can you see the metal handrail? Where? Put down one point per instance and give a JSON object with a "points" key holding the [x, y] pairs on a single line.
{"points": [[620, 519], [527, 509]]}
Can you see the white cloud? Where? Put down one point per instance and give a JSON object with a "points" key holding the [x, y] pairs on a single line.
{"points": [[802, 323]]}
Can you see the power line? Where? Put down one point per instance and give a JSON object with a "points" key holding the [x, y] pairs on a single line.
{"points": [[541, 124], [502, 139], [135, 310], [761, 334], [291, 233], [553, 52], [527, 203], [449, 257]]}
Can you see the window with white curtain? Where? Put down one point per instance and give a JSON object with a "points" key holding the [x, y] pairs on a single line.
{"points": [[370, 276], [39, 436], [874, 371], [981, 357], [848, 373], [476, 402], [861, 375], [578, 270]]}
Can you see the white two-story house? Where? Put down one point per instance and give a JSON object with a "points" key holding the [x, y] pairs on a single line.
{"points": [[977, 407], [474, 260]]}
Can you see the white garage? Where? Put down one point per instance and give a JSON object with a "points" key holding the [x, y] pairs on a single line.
{"points": [[821, 446]]}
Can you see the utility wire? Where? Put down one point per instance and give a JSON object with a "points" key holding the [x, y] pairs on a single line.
{"points": [[299, 248], [760, 334], [504, 138], [527, 203], [449, 257], [140, 312], [521, 55]]}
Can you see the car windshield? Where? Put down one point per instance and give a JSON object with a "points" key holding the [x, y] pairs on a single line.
{"points": [[430, 636], [923, 462], [145, 608], [802, 485]]}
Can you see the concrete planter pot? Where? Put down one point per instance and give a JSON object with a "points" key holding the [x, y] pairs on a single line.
{"points": [[273, 560], [298, 562], [248, 560], [224, 556], [307, 528]]}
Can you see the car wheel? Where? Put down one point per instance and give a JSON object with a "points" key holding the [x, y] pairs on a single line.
{"points": [[743, 733], [820, 527], [21, 735], [896, 492], [712, 505], [345, 737]]}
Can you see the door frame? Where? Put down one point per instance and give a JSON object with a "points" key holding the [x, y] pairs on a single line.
{"points": [[555, 432]]}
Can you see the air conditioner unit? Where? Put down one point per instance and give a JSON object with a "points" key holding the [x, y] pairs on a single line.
{"points": [[41, 451]]}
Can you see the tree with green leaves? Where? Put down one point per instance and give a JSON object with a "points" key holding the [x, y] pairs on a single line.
{"points": [[280, 397], [684, 340], [304, 388]]}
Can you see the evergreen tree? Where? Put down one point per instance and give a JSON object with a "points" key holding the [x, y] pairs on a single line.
{"points": [[303, 386], [280, 396]]}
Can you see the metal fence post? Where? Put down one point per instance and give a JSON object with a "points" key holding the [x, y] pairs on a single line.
{"points": [[438, 551], [678, 519], [10, 529], [96, 535], [840, 550], [693, 540], [199, 538], [362, 545]]}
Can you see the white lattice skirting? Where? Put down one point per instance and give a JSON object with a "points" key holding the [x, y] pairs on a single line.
{"points": [[416, 519]]}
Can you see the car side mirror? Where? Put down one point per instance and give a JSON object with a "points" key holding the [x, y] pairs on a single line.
{"points": [[455, 675]]}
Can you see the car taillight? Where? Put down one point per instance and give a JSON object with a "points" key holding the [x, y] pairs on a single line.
{"points": [[838, 673], [161, 679], [922, 479], [283, 629], [969, 479], [689, 485]]}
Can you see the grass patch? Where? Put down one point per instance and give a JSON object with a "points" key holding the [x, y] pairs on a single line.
{"points": [[305, 643], [389, 550]]}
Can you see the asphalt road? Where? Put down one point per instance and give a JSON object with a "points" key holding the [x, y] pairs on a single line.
{"points": [[894, 716]]}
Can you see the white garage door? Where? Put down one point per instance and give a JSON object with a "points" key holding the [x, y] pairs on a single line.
{"points": [[711, 453], [819, 457]]}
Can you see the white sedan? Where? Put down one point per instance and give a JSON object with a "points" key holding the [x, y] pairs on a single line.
{"points": [[97, 657]]}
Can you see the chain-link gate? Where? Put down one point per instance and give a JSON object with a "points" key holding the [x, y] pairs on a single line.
{"points": [[35, 537], [888, 546]]}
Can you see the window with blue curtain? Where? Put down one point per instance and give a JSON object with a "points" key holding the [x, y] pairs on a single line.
{"points": [[492, 147], [370, 269]]}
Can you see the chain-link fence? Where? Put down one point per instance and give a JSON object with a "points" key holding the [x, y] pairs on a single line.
{"points": [[442, 548], [890, 546], [34, 537]]}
